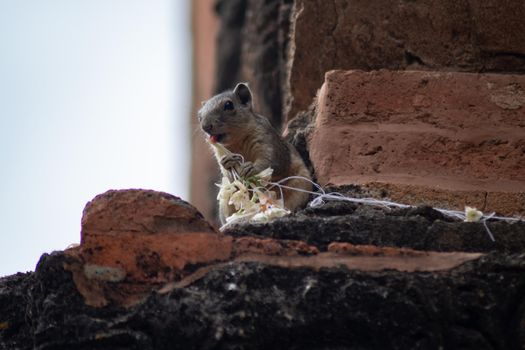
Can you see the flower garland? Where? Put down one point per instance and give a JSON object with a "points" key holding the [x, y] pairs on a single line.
{"points": [[254, 200]]}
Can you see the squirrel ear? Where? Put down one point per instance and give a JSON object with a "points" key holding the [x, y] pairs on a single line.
{"points": [[242, 91]]}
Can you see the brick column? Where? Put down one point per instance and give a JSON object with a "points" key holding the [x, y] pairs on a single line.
{"points": [[443, 139]]}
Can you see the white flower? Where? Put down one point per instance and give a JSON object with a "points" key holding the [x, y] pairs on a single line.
{"points": [[265, 175], [271, 212], [240, 185], [262, 197], [226, 189], [252, 201], [240, 199], [276, 212], [251, 207], [220, 150], [237, 217], [260, 217], [472, 214]]}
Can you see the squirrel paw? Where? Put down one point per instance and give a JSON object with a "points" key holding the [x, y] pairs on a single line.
{"points": [[231, 161], [247, 169]]}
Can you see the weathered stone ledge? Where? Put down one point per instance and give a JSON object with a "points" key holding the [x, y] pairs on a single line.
{"points": [[150, 273], [421, 228], [253, 305]]}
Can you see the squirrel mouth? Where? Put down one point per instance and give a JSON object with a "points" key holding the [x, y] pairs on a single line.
{"points": [[214, 138]]}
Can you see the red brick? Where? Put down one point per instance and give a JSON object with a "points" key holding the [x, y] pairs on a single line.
{"points": [[152, 236], [451, 35], [425, 134]]}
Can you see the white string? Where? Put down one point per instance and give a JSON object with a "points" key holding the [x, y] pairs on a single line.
{"points": [[484, 221], [321, 197]]}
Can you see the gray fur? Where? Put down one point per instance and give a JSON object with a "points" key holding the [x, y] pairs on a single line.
{"points": [[244, 132]]}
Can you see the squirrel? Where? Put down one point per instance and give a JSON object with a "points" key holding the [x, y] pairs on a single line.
{"points": [[228, 118]]}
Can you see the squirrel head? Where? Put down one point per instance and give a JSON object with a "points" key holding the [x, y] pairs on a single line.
{"points": [[225, 115]]}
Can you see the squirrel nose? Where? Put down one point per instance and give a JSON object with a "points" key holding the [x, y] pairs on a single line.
{"points": [[207, 128]]}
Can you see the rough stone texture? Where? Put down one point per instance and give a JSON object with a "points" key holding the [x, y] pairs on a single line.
{"points": [[143, 211], [14, 299], [134, 241], [458, 138], [264, 50], [297, 132], [420, 228], [252, 45], [249, 305], [231, 14], [240, 291], [464, 35], [150, 235], [362, 259], [505, 203], [141, 238]]}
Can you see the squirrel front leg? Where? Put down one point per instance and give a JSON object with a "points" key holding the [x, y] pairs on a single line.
{"points": [[230, 162], [248, 169], [244, 169]]}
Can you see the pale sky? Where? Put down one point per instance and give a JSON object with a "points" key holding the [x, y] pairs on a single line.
{"points": [[94, 95]]}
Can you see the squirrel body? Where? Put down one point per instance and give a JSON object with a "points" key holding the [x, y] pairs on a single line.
{"points": [[228, 118]]}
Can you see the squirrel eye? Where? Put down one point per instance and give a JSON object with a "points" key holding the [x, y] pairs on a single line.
{"points": [[228, 106]]}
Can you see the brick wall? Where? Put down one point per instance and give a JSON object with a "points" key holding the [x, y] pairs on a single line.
{"points": [[449, 132]]}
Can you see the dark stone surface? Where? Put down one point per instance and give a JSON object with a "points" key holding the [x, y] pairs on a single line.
{"points": [[298, 131], [15, 327], [420, 228], [479, 305], [264, 53], [229, 43], [251, 46]]}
